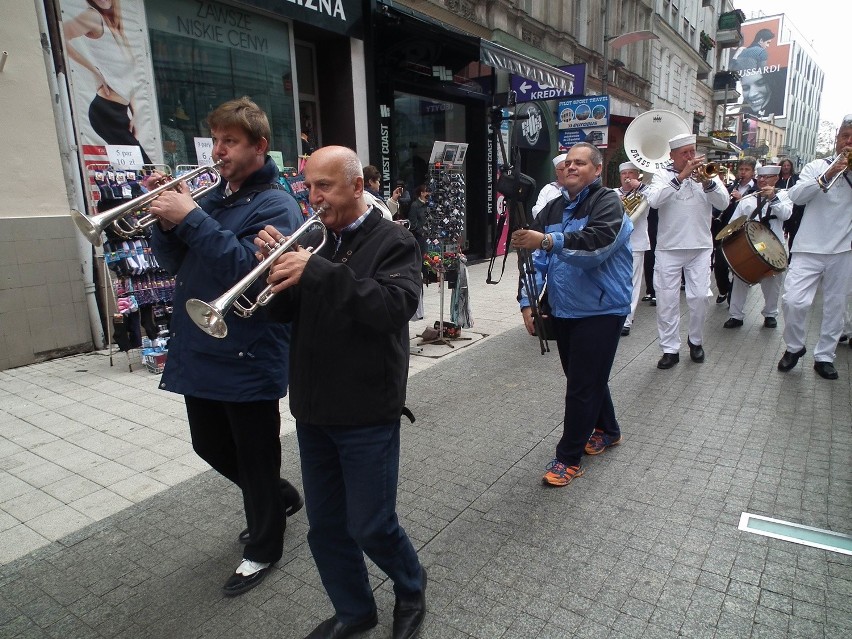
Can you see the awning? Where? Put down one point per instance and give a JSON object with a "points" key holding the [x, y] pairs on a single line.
{"points": [[499, 57], [719, 145]]}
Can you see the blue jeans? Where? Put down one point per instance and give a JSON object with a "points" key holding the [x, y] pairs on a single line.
{"points": [[350, 476]]}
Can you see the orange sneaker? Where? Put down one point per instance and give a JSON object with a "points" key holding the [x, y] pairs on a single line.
{"points": [[600, 441], [558, 474]]}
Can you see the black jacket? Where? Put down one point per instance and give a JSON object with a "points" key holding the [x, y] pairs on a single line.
{"points": [[350, 311]]}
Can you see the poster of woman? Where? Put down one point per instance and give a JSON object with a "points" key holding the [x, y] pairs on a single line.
{"points": [[762, 67], [112, 90]]}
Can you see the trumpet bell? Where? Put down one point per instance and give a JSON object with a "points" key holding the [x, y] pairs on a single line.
{"points": [[207, 317], [646, 140], [91, 230]]}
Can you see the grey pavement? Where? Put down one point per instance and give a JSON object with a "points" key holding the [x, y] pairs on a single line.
{"points": [[111, 527]]}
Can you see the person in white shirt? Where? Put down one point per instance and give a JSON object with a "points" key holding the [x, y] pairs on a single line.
{"points": [[639, 242], [773, 208], [822, 254], [684, 244], [551, 190]]}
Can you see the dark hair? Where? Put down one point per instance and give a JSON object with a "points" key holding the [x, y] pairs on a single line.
{"points": [[420, 190], [244, 114], [372, 173], [748, 162], [112, 17], [760, 36]]}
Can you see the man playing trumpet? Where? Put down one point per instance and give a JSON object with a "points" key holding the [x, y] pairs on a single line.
{"points": [[822, 253], [773, 208], [685, 197], [350, 303], [636, 207], [232, 386]]}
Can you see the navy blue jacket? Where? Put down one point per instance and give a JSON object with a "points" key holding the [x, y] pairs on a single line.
{"points": [[208, 253]]}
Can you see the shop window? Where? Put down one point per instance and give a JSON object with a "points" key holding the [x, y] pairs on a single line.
{"points": [[202, 58]]}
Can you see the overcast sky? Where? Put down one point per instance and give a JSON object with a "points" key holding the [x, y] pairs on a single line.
{"points": [[826, 26]]}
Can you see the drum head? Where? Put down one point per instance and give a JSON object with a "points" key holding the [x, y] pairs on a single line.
{"points": [[767, 245], [731, 228]]}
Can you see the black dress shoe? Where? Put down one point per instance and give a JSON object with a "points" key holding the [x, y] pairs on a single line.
{"points": [[696, 352], [653, 301], [293, 503], [668, 360], [825, 370], [334, 629], [646, 298], [625, 331], [732, 323], [408, 614], [238, 584], [770, 322], [789, 360], [721, 298]]}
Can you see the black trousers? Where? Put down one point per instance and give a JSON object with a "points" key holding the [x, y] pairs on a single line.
{"points": [[241, 441], [110, 121], [720, 271], [587, 350]]}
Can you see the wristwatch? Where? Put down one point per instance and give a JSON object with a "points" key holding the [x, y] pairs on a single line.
{"points": [[546, 243]]}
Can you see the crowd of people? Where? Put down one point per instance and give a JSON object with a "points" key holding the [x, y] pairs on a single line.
{"points": [[338, 321]]}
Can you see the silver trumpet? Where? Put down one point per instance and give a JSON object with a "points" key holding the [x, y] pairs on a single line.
{"points": [[210, 317], [93, 226]]}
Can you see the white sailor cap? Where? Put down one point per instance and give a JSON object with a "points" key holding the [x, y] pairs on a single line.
{"points": [[559, 158], [681, 140], [768, 170], [627, 166]]}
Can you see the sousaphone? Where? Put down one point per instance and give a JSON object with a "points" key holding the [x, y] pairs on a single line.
{"points": [[646, 140]]}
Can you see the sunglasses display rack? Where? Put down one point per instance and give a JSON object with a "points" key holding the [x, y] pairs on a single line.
{"points": [[444, 230]]}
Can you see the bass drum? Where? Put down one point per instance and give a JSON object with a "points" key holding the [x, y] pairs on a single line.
{"points": [[753, 251]]}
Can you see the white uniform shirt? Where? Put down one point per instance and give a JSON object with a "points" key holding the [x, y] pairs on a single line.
{"points": [[548, 192], [639, 238], [826, 226], [685, 210], [781, 207]]}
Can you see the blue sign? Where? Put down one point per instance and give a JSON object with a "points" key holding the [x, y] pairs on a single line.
{"points": [[529, 90]]}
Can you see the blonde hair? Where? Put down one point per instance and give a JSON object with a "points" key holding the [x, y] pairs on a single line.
{"points": [[242, 113]]}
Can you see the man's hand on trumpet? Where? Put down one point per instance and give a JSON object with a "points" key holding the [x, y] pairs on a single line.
{"points": [[287, 270], [840, 164], [690, 167], [173, 205]]}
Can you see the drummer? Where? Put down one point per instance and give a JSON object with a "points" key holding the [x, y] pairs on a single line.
{"points": [[771, 208]]}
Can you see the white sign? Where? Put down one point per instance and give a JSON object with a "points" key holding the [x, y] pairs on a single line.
{"points": [[125, 156], [204, 151], [448, 153]]}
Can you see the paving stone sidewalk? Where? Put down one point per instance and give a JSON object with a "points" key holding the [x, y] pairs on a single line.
{"points": [[645, 544]]}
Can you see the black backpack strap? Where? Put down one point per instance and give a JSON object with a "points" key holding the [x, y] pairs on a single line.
{"points": [[250, 190]]}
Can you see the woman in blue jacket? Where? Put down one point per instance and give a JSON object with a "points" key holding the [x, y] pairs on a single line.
{"points": [[582, 248]]}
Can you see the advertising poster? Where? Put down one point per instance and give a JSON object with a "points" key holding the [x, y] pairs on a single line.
{"points": [[112, 88], [583, 120], [762, 63]]}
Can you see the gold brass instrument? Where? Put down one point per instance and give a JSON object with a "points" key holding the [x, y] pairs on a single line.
{"points": [[210, 317], [840, 157], [635, 204], [93, 226], [708, 171]]}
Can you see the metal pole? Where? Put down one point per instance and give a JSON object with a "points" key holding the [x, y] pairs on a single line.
{"points": [[605, 79]]}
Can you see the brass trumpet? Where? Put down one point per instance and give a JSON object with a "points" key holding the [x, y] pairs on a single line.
{"points": [[708, 171], [210, 317], [93, 226], [840, 157], [634, 205]]}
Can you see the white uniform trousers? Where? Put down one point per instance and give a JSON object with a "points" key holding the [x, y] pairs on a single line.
{"points": [[668, 264], [806, 272], [771, 287], [638, 274]]}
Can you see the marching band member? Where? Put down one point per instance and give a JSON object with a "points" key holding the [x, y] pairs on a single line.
{"points": [[823, 255], [772, 208], [551, 190], [684, 244], [744, 185], [639, 242]]}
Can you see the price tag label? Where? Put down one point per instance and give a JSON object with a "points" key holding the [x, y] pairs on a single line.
{"points": [[123, 156], [204, 151]]}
